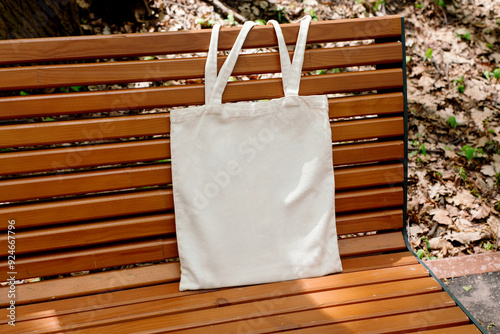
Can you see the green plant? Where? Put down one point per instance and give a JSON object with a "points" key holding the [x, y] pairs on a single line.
{"points": [[260, 22], [464, 34], [452, 121], [467, 288], [497, 182], [428, 54], [440, 3], [419, 5], [496, 73], [487, 245], [462, 174], [460, 83], [470, 152], [311, 11], [408, 59], [378, 3], [421, 148]]}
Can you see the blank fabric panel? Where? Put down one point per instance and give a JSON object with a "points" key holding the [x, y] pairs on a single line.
{"points": [[253, 181]]}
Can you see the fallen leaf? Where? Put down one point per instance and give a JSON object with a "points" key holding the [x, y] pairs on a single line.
{"points": [[441, 216], [467, 287], [466, 238], [463, 197], [481, 212]]}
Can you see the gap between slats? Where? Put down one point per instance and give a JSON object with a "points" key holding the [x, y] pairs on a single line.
{"points": [[158, 249], [148, 283], [147, 44], [159, 124], [190, 68], [146, 98], [160, 175]]}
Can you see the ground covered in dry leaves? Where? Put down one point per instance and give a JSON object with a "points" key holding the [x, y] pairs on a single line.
{"points": [[453, 52]]}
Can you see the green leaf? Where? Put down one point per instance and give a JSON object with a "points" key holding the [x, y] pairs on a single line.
{"points": [[489, 46], [260, 22], [48, 119], [408, 59], [488, 246], [452, 121], [420, 253], [461, 89], [487, 74], [428, 54], [496, 73], [422, 149], [467, 287], [320, 72], [419, 5], [23, 93], [149, 58]]}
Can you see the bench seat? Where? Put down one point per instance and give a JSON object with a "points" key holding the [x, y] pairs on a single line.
{"points": [[85, 179]]}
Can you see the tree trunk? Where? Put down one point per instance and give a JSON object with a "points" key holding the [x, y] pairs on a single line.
{"points": [[40, 18]]}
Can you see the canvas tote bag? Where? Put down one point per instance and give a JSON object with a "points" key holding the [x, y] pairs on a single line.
{"points": [[253, 181]]}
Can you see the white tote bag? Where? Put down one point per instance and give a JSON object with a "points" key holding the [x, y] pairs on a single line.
{"points": [[253, 181]]}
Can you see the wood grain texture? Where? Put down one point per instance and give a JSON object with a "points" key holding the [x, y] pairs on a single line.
{"points": [[305, 311], [63, 159], [141, 202], [169, 301], [147, 98], [145, 278], [465, 329], [147, 250], [129, 45], [404, 323], [154, 317], [159, 124], [189, 68], [146, 176]]}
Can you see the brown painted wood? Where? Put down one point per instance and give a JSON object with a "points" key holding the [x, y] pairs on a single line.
{"points": [[355, 177], [404, 323], [370, 152], [53, 263], [52, 160], [159, 124], [98, 207], [61, 237], [367, 222], [143, 279], [341, 288], [275, 316], [147, 98], [91, 258], [144, 176], [78, 235], [367, 129], [45, 49], [84, 182], [164, 316], [466, 329], [189, 68], [83, 156]]}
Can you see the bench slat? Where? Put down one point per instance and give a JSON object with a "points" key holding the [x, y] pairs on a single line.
{"points": [[98, 207], [129, 45], [156, 250], [404, 323], [144, 278], [142, 176], [466, 329], [159, 149], [106, 231], [189, 68], [159, 124], [159, 318], [167, 300], [127, 99]]}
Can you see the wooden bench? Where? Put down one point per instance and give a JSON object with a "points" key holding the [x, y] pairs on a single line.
{"points": [[86, 183]]}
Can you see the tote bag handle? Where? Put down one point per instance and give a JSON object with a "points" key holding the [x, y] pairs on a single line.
{"points": [[291, 71]]}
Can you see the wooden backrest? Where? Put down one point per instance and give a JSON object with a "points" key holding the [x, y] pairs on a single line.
{"points": [[85, 172]]}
